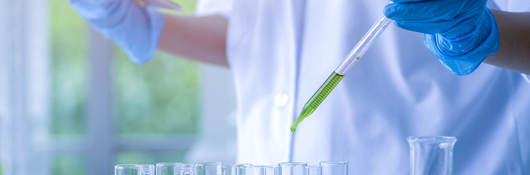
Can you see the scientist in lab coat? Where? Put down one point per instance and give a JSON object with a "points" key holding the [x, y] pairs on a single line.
{"points": [[280, 51]]}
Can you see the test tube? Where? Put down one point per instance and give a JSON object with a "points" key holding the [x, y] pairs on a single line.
{"points": [[226, 170], [209, 168], [264, 170], [166, 168], [314, 170], [134, 169], [334, 168], [173, 168], [272, 170], [293, 168], [431, 155], [241, 169]]}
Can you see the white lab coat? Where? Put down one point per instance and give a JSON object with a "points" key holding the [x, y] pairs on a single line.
{"points": [[280, 51]]}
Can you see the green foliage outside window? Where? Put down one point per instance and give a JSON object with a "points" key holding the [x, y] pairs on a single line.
{"points": [[131, 157], [69, 69], [69, 164], [158, 98]]}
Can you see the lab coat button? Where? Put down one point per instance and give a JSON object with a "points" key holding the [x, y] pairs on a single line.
{"points": [[281, 100]]}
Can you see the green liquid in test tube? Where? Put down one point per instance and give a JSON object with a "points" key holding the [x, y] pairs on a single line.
{"points": [[334, 79]]}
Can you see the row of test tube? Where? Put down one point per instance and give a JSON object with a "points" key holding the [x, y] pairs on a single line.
{"points": [[431, 155], [217, 168], [293, 168]]}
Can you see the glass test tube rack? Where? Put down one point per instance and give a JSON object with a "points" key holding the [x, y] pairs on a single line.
{"points": [[217, 168], [428, 156]]}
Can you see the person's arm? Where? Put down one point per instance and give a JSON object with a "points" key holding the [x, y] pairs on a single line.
{"points": [[200, 38], [514, 49]]}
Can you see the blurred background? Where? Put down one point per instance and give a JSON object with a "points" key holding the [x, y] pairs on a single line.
{"points": [[71, 103]]}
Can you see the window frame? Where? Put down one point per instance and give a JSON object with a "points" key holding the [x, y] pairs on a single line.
{"points": [[24, 87]]}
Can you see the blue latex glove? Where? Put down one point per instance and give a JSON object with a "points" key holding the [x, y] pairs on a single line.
{"points": [[461, 33], [136, 30]]}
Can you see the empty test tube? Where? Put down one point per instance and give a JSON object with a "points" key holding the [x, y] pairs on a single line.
{"points": [[166, 168], [171, 168], [334, 168], [210, 168], [293, 168], [134, 169], [203, 168], [314, 170], [264, 170], [217, 168], [226, 169], [248, 169], [241, 169]]}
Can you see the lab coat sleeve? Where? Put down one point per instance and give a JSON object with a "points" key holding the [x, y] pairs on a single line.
{"points": [[213, 7], [511, 6]]}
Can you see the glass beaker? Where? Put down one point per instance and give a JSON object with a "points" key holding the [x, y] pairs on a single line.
{"points": [[293, 168], [134, 169], [431, 155], [334, 168]]}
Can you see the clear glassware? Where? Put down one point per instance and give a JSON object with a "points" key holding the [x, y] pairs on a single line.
{"points": [[174, 168], [241, 169], [263, 170], [334, 168], [431, 155], [226, 169], [210, 168], [293, 168], [272, 170], [314, 170], [134, 169]]}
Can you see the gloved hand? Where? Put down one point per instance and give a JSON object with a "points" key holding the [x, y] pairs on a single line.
{"points": [[461, 33], [135, 29]]}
